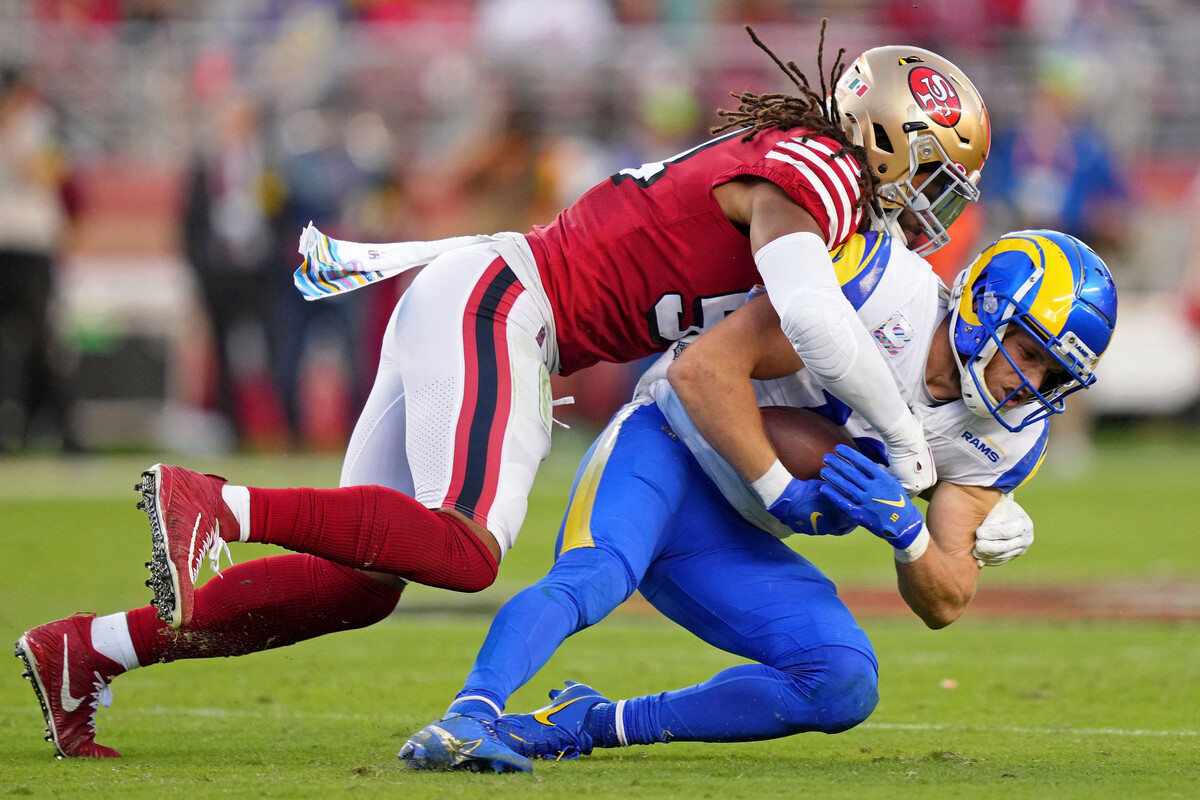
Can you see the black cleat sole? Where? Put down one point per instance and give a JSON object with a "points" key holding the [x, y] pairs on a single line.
{"points": [[160, 582], [30, 674]]}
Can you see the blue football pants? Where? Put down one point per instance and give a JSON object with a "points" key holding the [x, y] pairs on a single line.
{"points": [[644, 516]]}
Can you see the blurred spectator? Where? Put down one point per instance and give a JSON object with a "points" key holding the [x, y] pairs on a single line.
{"points": [[1052, 168], [33, 222], [84, 15], [498, 177], [403, 12], [941, 25], [386, 213], [232, 241], [756, 12], [679, 13], [327, 177], [515, 29]]}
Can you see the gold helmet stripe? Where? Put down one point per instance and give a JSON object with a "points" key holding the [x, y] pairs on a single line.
{"points": [[1055, 297]]}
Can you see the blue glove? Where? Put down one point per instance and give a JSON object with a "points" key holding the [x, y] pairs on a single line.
{"points": [[802, 508], [867, 493]]}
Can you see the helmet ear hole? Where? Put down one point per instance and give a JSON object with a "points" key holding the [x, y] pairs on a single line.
{"points": [[882, 140]]}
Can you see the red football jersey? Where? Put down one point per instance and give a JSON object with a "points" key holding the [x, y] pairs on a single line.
{"points": [[647, 256]]}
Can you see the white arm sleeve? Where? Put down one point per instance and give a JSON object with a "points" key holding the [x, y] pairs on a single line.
{"points": [[797, 271], [821, 324]]}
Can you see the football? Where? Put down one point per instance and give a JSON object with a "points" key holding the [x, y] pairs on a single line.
{"points": [[801, 438]]}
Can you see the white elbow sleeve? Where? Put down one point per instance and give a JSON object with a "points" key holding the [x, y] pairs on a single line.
{"points": [[798, 261], [822, 326], [798, 274]]}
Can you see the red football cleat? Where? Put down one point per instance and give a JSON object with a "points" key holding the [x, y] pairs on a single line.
{"points": [[71, 680], [188, 520]]}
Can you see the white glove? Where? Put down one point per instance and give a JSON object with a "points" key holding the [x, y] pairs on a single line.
{"points": [[1004, 534], [909, 457]]}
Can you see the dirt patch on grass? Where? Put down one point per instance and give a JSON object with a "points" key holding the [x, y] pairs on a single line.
{"points": [[1155, 601], [1164, 601]]}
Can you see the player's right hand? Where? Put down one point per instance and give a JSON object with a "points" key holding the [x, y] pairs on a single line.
{"points": [[805, 510], [872, 497], [1004, 534], [909, 456]]}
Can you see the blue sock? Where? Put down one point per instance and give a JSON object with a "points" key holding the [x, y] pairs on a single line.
{"points": [[477, 703], [601, 724], [636, 719]]}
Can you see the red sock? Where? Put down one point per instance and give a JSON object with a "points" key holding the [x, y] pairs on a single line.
{"points": [[373, 528], [269, 602]]}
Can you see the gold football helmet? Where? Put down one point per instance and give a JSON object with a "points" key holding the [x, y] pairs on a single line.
{"points": [[926, 133]]}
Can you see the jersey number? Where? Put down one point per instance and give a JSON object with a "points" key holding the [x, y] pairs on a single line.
{"points": [[666, 318], [647, 174]]}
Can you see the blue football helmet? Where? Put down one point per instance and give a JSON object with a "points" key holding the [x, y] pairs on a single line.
{"points": [[1056, 289]]}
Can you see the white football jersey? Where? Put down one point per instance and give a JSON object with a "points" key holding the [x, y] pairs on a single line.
{"points": [[900, 300]]}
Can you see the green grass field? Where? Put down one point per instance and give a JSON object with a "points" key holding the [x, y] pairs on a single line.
{"points": [[1040, 709]]}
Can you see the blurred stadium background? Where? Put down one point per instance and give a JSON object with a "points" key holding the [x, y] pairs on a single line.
{"points": [[158, 159], [172, 151]]}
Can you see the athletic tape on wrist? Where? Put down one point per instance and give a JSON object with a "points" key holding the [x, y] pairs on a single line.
{"points": [[916, 549], [773, 483]]}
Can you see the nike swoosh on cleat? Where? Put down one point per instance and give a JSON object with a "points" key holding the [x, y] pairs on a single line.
{"points": [[69, 703], [897, 503], [192, 549], [544, 715]]}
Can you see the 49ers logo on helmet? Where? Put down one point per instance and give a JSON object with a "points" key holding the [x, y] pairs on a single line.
{"points": [[936, 96]]}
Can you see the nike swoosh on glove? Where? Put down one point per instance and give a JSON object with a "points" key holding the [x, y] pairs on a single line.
{"points": [[803, 509], [869, 494]]}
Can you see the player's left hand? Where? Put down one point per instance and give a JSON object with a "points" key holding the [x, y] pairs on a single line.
{"points": [[870, 495], [1005, 533], [803, 509]]}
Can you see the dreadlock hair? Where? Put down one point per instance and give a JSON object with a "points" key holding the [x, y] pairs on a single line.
{"points": [[761, 112]]}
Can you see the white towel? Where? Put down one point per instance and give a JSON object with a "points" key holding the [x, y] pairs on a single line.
{"points": [[334, 266]]}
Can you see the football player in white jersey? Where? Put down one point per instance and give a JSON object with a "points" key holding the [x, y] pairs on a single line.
{"points": [[656, 509]]}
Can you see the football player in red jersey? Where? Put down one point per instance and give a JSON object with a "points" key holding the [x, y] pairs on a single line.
{"points": [[439, 468]]}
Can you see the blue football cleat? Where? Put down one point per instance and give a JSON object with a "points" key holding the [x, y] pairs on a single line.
{"points": [[461, 742], [555, 731]]}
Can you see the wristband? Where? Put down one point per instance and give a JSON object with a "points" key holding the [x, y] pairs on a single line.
{"points": [[914, 550], [772, 483]]}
